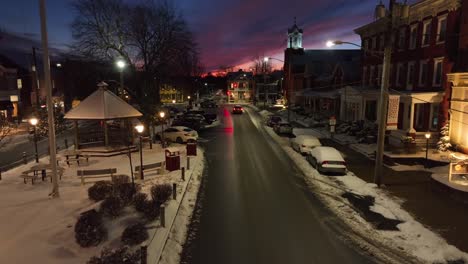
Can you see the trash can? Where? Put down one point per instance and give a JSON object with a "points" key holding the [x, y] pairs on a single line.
{"points": [[172, 160], [191, 148]]}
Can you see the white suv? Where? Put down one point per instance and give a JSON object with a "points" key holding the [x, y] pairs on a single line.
{"points": [[179, 134]]}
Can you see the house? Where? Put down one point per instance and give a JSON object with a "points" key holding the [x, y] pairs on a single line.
{"points": [[424, 51], [268, 87], [10, 89], [313, 78], [240, 87]]}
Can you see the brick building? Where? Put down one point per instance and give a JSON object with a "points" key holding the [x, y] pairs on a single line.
{"points": [[424, 51]]}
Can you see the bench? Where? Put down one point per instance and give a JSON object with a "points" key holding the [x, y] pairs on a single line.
{"points": [[78, 159], [26, 175], [103, 173], [158, 166]]}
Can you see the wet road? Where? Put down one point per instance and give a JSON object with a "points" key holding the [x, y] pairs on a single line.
{"points": [[254, 208]]}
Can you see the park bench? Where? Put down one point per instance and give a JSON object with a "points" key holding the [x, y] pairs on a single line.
{"points": [[158, 166], [78, 159], [89, 174], [29, 174], [33, 174]]}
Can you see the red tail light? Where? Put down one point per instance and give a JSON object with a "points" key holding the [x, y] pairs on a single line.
{"points": [[324, 162]]}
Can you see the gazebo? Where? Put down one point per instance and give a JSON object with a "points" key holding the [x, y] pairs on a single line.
{"points": [[109, 112]]}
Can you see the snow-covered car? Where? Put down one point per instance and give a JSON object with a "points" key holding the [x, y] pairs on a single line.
{"points": [[283, 128], [179, 134], [304, 143], [273, 120], [327, 159]]}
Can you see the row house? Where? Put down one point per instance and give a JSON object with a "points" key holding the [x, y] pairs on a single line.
{"points": [[424, 51]]}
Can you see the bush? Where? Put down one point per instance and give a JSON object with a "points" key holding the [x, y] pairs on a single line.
{"points": [[125, 191], [151, 210], [100, 190], [120, 179], [120, 255], [140, 201], [89, 230], [112, 206], [161, 193], [134, 234]]}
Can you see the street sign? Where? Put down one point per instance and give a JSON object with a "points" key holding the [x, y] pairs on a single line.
{"points": [[392, 113]]}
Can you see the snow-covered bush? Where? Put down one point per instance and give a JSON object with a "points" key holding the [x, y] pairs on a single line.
{"points": [[112, 206], [100, 190], [151, 210], [140, 201], [89, 230], [122, 255], [134, 234], [444, 142], [161, 193], [125, 191]]}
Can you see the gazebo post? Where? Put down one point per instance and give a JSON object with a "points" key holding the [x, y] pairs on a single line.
{"points": [[77, 144], [106, 134]]}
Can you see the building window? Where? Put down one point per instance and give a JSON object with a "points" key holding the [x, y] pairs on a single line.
{"points": [[410, 76], [423, 73], [19, 83], [441, 28], [364, 72], [371, 110], [371, 75], [382, 42], [421, 116], [379, 74], [400, 75], [435, 117], [437, 78], [426, 36], [401, 38], [413, 36]]}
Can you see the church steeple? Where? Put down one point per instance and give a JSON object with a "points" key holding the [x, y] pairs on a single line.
{"points": [[295, 36]]}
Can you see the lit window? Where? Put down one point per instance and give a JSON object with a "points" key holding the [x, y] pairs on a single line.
{"points": [[441, 28], [426, 36], [437, 79], [19, 83], [413, 36]]}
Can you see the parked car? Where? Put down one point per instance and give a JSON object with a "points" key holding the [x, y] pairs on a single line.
{"points": [[237, 109], [273, 120], [327, 159], [283, 128], [179, 134], [192, 123], [304, 143]]}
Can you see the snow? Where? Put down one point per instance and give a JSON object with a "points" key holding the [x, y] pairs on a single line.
{"points": [[413, 238], [35, 227], [265, 113]]}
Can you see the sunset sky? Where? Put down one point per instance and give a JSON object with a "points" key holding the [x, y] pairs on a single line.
{"points": [[229, 33]]}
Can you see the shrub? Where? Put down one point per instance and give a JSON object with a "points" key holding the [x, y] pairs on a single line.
{"points": [[89, 230], [140, 201], [120, 255], [125, 191], [100, 190], [134, 234], [161, 193], [112, 206]]}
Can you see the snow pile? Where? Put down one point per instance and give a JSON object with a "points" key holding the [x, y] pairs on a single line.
{"points": [[413, 238], [265, 113]]}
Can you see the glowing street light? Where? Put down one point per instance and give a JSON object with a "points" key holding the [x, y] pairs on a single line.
{"points": [[121, 65], [173, 101], [34, 121], [161, 115], [428, 136], [59, 65], [188, 97], [140, 129]]}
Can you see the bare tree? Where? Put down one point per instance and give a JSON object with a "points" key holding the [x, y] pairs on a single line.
{"points": [[259, 66], [5, 131]]}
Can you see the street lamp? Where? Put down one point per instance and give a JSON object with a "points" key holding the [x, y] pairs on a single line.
{"points": [[161, 115], [428, 136], [59, 65], [188, 97], [332, 43], [140, 129], [173, 101], [34, 121], [121, 65], [288, 87]]}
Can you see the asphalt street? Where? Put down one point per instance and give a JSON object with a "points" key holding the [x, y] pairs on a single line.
{"points": [[254, 208]]}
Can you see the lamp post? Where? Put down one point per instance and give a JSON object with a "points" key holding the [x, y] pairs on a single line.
{"points": [[140, 129], [173, 101], [428, 136], [121, 65], [289, 78], [33, 121], [161, 115]]}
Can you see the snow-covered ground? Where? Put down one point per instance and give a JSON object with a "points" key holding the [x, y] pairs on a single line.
{"points": [[35, 227], [412, 238]]}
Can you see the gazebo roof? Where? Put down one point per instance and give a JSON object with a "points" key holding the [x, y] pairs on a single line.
{"points": [[102, 105]]}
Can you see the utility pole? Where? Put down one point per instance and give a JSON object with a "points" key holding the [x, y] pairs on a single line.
{"points": [[383, 108], [36, 86], [50, 106]]}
